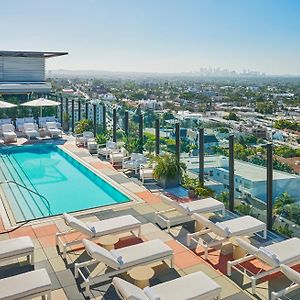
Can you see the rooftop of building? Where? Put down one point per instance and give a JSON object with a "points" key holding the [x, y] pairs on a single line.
{"points": [[44, 54]]}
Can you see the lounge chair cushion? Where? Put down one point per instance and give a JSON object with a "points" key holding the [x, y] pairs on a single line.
{"points": [[25, 285], [51, 125], [195, 286], [78, 225], [202, 205], [143, 252], [15, 247], [128, 291], [250, 249], [291, 274], [285, 257], [99, 253], [268, 256]]}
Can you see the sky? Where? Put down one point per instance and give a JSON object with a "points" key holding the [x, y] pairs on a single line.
{"points": [[157, 35]]}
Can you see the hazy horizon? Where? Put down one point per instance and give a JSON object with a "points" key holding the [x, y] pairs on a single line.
{"points": [[170, 36]]}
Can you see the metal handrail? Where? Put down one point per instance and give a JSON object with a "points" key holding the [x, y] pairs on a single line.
{"points": [[28, 189]]}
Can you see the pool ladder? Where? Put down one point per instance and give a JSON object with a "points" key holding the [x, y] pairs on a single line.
{"points": [[47, 204]]}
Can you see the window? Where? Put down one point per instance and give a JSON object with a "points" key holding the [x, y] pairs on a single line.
{"points": [[211, 173]]}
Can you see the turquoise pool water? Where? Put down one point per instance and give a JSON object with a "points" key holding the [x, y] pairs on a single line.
{"points": [[67, 185]]}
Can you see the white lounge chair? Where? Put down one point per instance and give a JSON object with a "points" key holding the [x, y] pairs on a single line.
{"points": [[17, 247], [8, 131], [133, 162], [5, 121], [123, 259], [20, 124], [195, 286], [116, 156], [26, 286], [186, 210], [93, 230], [30, 131], [223, 231], [293, 276], [146, 172], [286, 252], [52, 129], [105, 151]]}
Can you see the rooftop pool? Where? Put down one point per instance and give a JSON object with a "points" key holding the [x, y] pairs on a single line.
{"points": [[65, 184]]}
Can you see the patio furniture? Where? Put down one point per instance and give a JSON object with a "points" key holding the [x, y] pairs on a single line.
{"points": [[94, 230], [27, 285], [116, 156], [286, 252], [5, 121], [195, 286], [8, 132], [105, 151], [141, 275], [17, 247], [52, 129], [223, 231], [146, 172], [82, 139], [185, 210], [133, 162], [30, 131], [108, 241], [293, 276], [20, 124], [121, 260], [92, 146]]}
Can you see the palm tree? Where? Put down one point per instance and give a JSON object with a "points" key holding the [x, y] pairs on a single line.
{"points": [[281, 201]]}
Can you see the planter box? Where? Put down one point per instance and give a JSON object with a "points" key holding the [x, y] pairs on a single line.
{"points": [[168, 182]]}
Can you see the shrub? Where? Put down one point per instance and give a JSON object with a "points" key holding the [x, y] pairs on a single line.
{"points": [[83, 125]]}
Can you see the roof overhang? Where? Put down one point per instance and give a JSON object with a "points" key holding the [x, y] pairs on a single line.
{"points": [[47, 54], [25, 88]]}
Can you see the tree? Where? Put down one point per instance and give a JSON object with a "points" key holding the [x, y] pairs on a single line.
{"points": [[281, 202]]}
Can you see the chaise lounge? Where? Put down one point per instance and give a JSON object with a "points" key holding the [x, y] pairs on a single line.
{"points": [[26, 286], [8, 131], [93, 230], [223, 231], [286, 252], [186, 210], [52, 129], [30, 131], [195, 286], [121, 260]]}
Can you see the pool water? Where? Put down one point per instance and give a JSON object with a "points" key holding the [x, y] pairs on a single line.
{"points": [[66, 184]]}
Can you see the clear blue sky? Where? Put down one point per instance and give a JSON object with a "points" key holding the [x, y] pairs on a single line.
{"points": [[157, 35]]}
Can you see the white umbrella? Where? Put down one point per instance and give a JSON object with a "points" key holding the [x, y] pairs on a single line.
{"points": [[41, 102], [6, 105]]}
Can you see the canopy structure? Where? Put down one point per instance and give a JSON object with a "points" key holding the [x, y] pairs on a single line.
{"points": [[41, 102], [7, 105]]}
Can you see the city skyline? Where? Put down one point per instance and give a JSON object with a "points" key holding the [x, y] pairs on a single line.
{"points": [[158, 36]]}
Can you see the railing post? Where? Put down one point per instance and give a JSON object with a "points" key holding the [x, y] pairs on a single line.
{"points": [[141, 135], [231, 173], [201, 156], [269, 186], [73, 117], [126, 124], [104, 117], [95, 119], [157, 136], [114, 125]]}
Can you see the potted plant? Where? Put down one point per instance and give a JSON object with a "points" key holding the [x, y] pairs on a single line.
{"points": [[167, 170], [190, 184], [65, 124], [83, 125]]}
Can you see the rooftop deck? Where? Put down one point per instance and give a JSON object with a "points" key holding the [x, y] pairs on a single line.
{"points": [[187, 260]]}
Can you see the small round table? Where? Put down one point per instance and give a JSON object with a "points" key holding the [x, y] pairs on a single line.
{"points": [[141, 275], [238, 252], [108, 241], [199, 226]]}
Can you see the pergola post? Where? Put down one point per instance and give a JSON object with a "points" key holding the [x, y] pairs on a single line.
{"points": [[79, 109], [269, 186], [95, 119], [177, 142], [201, 156], [126, 123], [61, 109], [157, 136], [141, 135], [114, 125], [231, 173], [104, 118], [73, 117], [86, 110]]}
